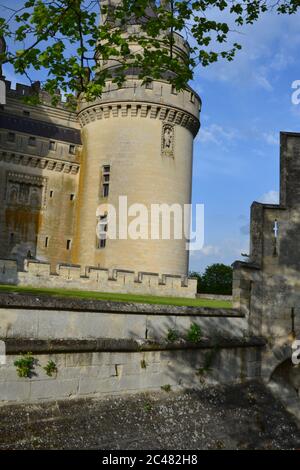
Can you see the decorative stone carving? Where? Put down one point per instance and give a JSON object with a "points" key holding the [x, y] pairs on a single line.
{"points": [[26, 190], [167, 144], [164, 113], [46, 164]]}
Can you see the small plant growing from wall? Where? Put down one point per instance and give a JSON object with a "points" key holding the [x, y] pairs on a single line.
{"points": [[25, 365], [172, 335], [208, 360], [143, 364], [50, 368], [166, 388], [194, 333]]}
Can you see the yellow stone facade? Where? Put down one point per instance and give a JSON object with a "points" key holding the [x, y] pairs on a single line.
{"points": [[57, 167], [124, 131]]}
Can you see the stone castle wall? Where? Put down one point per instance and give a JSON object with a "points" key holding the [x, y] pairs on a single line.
{"points": [[49, 195], [125, 130], [39, 175], [267, 288], [38, 274]]}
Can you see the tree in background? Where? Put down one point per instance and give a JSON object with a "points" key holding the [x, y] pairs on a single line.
{"points": [[195, 275], [64, 38], [217, 279]]}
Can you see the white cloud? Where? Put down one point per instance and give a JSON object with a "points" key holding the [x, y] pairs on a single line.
{"points": [[269, 46], [271, 138], [262, 82], [271, 197], [281, 61], [209, 250], [216, 134], [227, 252]]}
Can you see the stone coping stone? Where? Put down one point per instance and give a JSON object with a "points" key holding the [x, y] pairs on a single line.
{"points": [[23, 345], [51, 302]]}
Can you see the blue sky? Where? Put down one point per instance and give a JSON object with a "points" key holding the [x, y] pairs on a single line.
{"points": [[246, 103]]}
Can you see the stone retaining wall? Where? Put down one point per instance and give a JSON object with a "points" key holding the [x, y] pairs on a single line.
{"points": [[82, 374], [113, 347], [45, 317]]}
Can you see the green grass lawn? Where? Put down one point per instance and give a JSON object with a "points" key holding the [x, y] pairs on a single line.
{"points": [[120, 297]]}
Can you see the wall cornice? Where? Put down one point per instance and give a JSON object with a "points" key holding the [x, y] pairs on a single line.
{"points": [[168, 114], [39, 162]]}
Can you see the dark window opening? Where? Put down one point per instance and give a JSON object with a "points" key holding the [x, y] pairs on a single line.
{"points": [[101, 242], [52, 145], [51, 194], [32, 141], [11, 137], [26, 113], [46, 242], [105, 180], [105, 190], [72, 149], [72, 197], [68, 244]]}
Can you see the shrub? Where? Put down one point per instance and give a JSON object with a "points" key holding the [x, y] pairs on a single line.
{"points": [[194, 333], [50, 368], [25, 365], [172, 335]]}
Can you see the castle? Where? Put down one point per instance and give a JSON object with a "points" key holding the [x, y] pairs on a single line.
{"points": [[57, 167]]}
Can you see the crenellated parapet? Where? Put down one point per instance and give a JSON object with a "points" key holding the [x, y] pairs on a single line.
{"points": [[67, 276], [22, 91], [155, 100]]}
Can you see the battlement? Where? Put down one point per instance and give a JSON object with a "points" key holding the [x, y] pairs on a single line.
{"points": [[90, 278], [154, 96], [23, 90]]}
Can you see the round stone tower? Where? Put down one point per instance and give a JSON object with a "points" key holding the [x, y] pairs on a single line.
{"points": [[138, 143]]}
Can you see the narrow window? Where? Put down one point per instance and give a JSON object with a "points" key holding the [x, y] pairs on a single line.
{"points": [[101, 241], [51, 194], [192, 97], [72, 197], [11, 137], [72, 149], [149, 85], [11, 238], [52, 145], [32, 141], [105, 180], [173, 90], [46, 242], [68, 244]]}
